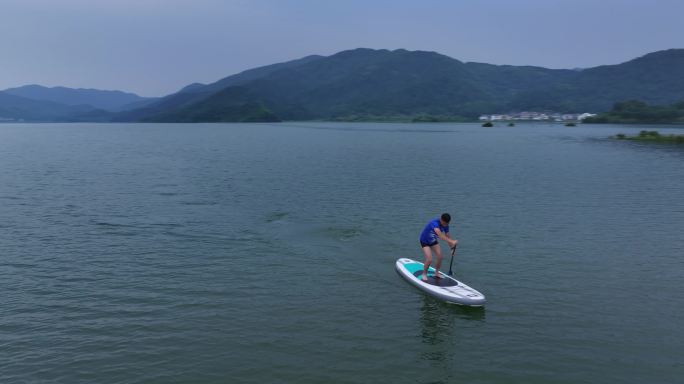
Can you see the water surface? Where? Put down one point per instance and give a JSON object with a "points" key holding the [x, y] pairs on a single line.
{"points": [[252, 253]]}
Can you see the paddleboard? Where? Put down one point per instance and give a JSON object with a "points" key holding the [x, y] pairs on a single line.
{"points": [[445, 288]]}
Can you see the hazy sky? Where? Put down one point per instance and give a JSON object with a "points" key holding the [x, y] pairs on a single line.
{"points": [[155, 47]]}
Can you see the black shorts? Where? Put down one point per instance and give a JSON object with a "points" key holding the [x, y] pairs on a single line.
{"points": [[423, 245]]}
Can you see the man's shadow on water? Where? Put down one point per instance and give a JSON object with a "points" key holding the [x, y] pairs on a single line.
{"points": [[439, 322]]}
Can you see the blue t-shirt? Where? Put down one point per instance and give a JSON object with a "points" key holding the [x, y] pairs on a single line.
{"points": [[428, 236]]}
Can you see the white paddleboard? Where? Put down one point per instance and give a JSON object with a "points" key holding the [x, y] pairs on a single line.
{"points": [[445, 288]]}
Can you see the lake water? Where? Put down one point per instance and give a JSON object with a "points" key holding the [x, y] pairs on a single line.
{"points": [[264, 253]]}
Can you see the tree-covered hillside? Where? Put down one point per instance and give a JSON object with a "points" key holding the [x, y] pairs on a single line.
{"points": [[367, 84], [382, 84], [636, 111]]}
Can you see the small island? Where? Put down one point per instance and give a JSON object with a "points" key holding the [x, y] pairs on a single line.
{"points": [[652, 136]]}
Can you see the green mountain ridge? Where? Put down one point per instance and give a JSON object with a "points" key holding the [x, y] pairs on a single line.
{"points": [[370, 84], [365, 82], [172, 106]]}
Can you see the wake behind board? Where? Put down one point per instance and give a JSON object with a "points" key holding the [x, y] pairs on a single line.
{"points": [[445, 288]]}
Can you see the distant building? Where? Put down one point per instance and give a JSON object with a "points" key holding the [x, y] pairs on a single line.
{"points": [[536, 116]]}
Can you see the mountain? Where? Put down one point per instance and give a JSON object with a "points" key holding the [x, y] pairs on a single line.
{"points": [[232, 104], [367, 83], [173, 106], [361, 81], [363, 84], [98, 99], [656, 78], [22, 109]]}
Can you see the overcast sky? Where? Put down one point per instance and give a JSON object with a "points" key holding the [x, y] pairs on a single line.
{"points": [[155, 47]]}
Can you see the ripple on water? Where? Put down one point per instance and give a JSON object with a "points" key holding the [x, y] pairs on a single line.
{"points": [[341, 233], [276, 216]]}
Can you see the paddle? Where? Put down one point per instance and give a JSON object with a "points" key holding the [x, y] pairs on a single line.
{"points": [[453, 250]]}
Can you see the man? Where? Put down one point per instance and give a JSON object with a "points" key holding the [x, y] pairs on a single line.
{"points": [[435, 229]]}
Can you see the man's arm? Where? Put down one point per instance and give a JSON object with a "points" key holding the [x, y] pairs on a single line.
{"points": [[441, 234], [445, 236]]}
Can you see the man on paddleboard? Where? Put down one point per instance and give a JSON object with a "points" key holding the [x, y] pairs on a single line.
{"points": [[435, 229]]}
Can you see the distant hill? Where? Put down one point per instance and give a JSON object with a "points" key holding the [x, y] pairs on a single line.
{"points": [[366, 83], [98, 99], [22, 109]]}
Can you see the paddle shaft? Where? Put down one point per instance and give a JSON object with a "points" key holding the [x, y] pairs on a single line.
{"points": [[453, 250]]}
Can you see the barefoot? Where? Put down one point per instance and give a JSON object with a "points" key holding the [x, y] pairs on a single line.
{"points": [[424, 278]]}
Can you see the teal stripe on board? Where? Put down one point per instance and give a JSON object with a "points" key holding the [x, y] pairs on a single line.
{"points": [[415, 267]]}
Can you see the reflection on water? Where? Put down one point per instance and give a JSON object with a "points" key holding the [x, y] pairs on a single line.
{"points": [[438, 321]]}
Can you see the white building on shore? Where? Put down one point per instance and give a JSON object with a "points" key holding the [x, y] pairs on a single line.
{"points": [[537, 116]]}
